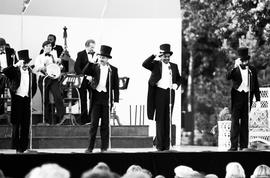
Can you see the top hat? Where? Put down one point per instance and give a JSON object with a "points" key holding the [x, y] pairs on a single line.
{"points": [[105, 51], [243, 54], [2, 42], [165, 49], [24, 55]]}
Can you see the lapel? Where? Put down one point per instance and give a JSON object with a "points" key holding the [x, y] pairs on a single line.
{"points": [[85, 56]]}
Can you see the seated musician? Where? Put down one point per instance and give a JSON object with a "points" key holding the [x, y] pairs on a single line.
{"points": [[7, 58], [52, 84]]}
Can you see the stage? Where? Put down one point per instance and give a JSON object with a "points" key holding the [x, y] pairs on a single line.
{"points": [[201, 158]]}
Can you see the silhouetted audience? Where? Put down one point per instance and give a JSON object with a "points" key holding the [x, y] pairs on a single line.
{"points": [[261, 171], [235, 170], [48, 170]]}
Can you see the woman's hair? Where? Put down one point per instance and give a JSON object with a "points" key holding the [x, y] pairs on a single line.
{"points": [[261, 171], [234, 170]]}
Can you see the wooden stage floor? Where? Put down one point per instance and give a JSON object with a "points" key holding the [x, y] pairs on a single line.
{"points": [[120, 150]]}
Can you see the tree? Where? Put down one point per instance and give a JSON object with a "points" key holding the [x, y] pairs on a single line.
{"points": [[211, 33]]}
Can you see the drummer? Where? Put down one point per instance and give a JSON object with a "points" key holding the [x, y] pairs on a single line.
{"points": [[52, 84]]}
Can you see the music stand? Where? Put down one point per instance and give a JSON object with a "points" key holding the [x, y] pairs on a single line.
{"points": [[71, 81]]}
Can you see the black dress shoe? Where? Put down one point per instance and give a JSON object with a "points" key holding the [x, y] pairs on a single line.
{"points": [[232, 149], [103, 150], [88, 151]]}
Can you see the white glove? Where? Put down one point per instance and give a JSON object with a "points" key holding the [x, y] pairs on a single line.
{"points": [[237, 62], [19, 63], [89, 78], [174, 86]]}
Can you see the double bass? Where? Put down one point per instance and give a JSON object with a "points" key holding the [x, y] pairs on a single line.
{"points": [[66, 60]]}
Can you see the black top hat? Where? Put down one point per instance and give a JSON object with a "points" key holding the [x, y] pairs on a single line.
{"points": [[165, 49], [24, 55], [2, 42], [243, 54], [105, 51]]}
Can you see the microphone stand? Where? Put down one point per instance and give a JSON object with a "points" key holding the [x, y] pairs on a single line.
{"points": [[170, 107], [43, 101], [31, 105], [109, 103], [249, 104]]}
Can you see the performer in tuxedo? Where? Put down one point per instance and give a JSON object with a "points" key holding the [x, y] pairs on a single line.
{"points": [[84, 58], [51, 84], [56, 48], [22, 87], [7, 58], [245, 86], [164, 77], [100, 73]]}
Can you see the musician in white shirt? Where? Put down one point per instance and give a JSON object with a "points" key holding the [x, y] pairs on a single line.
{"points": [[51, 83]]}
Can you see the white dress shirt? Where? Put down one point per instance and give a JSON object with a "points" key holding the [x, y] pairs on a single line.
{"points": [[23, 89], [91, 58], [244, 85], [42, 61], [3, 61], [165, 80], [103, 79]]}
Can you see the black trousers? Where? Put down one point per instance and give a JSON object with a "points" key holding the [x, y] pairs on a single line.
{"points": [[239, 125], [85, 117], [20, 117], [100, 110], [53, 86], [162, 101]]}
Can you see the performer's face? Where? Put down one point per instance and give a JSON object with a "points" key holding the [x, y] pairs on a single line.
{"points": [[103, 60], [2, 48], [47, 48], [165, 58], [91, 47], [51, 39], [244, 64]]}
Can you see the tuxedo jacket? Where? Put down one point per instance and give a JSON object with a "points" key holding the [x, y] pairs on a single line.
{"points": [[156, 72], [14, 76], [94, 71], [236, 77], [81, 62]]}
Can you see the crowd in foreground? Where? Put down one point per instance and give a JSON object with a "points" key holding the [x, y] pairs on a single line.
{"points": [[102, 170]]}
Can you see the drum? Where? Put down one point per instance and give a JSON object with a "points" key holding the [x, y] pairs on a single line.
{"points": [[53, 71]]}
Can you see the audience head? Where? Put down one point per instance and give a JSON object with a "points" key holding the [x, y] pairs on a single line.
{"points": [[183, 171], [98, 173], [50, 170], [261, 171], [234, 170], [136, 174], [2, 174], [211, 176], [134, 168], [159, 176], [102, 166]]}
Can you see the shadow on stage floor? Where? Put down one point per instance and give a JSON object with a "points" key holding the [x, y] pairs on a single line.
{"points": [[203, 159]]}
